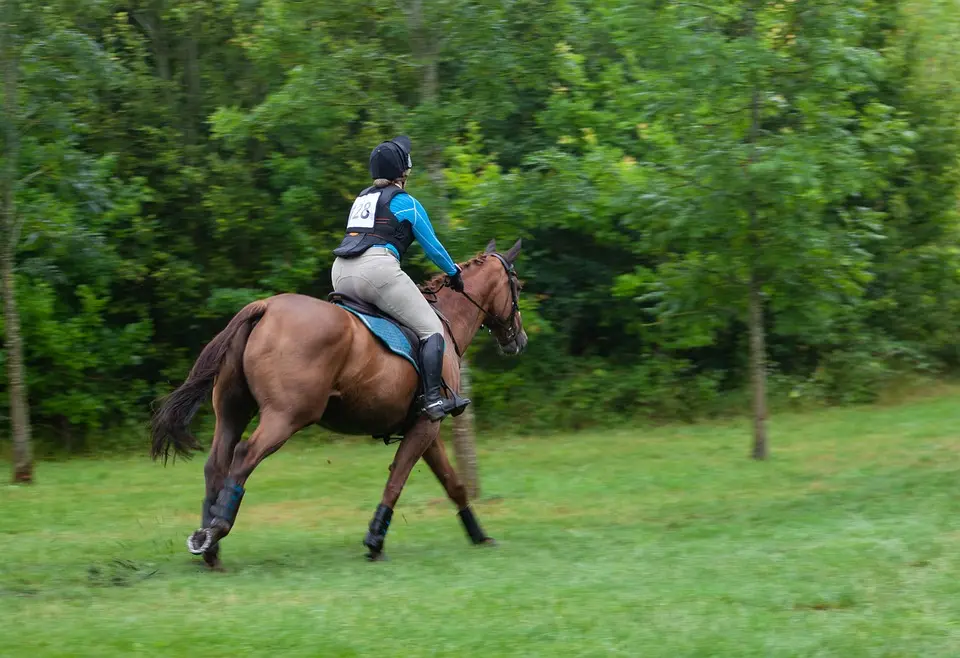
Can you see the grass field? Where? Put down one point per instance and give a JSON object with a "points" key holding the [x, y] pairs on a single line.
{"points": [[637, 543]]}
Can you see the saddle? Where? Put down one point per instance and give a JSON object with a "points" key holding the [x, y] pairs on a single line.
{"points": [[352, 303], [397, 337]]}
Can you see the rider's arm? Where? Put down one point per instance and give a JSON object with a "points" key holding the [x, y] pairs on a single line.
{"points": [[408, 209]]}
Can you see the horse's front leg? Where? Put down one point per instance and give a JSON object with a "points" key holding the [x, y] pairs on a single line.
{"points": [[414, 444], [436, 458]]}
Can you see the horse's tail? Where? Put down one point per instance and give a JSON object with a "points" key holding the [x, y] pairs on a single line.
{"points": [[171, 422]]}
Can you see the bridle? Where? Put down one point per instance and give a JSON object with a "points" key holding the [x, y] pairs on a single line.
{"points": [[508, 324], [491, 322]]}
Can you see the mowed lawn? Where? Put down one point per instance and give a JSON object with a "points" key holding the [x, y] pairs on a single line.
{"points": [[666, 542]]}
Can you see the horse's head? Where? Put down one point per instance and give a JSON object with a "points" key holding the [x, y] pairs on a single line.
{"points": [[502, 308]]}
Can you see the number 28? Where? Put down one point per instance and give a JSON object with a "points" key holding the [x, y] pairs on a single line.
{"points": [[363, 212]]}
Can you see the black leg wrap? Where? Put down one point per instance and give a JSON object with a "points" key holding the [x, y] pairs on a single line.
{"points": [[377, 533], [470, 524], [224, 511]]}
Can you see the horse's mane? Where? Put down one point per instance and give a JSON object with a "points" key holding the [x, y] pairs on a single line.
{"points": [[436, 282]]}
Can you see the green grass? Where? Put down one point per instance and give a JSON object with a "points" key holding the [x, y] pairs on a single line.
{"points": [[639, 543]]}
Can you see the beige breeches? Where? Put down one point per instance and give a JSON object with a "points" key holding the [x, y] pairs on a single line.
{"points": [[375, 277]]}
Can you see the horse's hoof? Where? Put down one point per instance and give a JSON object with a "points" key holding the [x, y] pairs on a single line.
{"points": [[376, 557], [212, 560], [200, 542]]}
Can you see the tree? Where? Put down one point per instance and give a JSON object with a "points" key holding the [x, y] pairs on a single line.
{"points": [[767, 151], [17, 391], [77, 348]]}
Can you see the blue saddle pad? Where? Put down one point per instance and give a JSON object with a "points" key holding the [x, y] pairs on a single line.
{"points": [[389, 334]]}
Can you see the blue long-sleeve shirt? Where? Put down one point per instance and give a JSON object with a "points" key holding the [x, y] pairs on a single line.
{"points": [[408, 209]]}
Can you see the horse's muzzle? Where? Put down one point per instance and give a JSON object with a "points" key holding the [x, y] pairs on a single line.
{"points": [[515, 346]]}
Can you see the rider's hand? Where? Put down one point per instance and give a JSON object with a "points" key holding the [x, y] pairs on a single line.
{"points": [[455, 281]]}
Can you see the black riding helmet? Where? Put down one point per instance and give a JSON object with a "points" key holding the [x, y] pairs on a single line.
{"points": [[391, 158]]}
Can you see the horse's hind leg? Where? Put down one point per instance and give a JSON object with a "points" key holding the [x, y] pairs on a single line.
{"points": [[234, 407], [436, 458], [274, 430]]}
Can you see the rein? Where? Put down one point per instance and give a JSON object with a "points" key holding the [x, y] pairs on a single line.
{"points": [[508, 323]]}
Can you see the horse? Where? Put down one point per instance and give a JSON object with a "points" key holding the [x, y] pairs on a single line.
{"points": [[302, 361]]}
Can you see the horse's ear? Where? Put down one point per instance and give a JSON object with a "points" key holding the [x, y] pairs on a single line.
{"points": [[514, 252], [491, 247]]}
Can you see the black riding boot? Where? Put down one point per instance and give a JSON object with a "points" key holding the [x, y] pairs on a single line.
{"points": [[431, 365]]}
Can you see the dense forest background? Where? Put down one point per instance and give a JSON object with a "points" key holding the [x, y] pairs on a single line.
{"points": [[680, 173]]}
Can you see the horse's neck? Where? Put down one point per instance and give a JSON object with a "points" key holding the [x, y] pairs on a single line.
{"points": [[464, 318]]}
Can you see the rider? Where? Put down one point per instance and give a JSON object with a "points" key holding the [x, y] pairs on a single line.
{"points": [[382, 224]]}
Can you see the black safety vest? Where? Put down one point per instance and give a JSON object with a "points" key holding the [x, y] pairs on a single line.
{"points": [[371, 223]]}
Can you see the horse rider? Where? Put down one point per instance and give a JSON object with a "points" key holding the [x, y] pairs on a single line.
{"points": [[384, 221]]}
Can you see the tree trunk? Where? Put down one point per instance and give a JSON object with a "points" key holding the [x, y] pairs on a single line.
{"points": [[758, 370], [19, 412], [151, 20], [464, 439], [426, 51], [192, 82], [758, 347]]}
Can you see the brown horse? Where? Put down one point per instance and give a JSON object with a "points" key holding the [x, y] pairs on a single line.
{"points": [[302, 361]]}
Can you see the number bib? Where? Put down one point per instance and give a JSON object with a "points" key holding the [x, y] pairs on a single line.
{"points": [[364, 211], [371, 223]]}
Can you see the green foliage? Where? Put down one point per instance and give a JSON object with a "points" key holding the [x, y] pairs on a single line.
{"points": [[181, 159]]}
